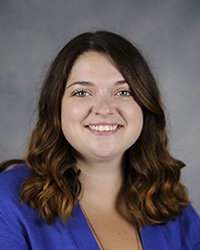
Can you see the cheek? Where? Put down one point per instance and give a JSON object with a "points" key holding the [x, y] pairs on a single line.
{"points": [[69, 113], [135, 120], [134, 115], [138, 114], [69, 116], [72, 114]]}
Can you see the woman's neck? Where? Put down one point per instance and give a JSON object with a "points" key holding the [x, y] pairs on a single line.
{"points": [[101, 183]]}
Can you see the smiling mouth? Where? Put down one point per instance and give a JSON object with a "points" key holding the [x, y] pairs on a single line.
{"points": [[104, 129]]}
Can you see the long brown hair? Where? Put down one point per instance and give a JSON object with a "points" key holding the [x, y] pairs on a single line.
{"points": [[152, 189]]}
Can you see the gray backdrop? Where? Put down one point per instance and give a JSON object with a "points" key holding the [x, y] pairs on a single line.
{"points": [[168, 32]]}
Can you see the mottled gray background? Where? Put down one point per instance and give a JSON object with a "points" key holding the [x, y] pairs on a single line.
{"points": [[168, 32]]}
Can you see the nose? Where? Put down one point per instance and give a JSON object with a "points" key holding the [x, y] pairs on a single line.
{"points": [[103, 106]]}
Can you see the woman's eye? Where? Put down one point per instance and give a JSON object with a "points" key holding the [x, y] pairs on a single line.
{"points": [[124, 93], [80, 93]]}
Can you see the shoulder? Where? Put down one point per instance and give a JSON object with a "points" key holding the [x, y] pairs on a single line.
{"points": [[10, 185], [188, 224], [21, 226], [190, 218], [181, 233], [11, 181], [186, 228], [11, 210]]}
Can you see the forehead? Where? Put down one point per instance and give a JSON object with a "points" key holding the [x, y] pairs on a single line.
{"points": [[94, 66]]}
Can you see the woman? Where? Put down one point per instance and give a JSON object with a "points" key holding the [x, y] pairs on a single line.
{"points": [[97, 173]]}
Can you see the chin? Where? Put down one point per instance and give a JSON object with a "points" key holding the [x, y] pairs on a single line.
{"points": [[106, 156]]}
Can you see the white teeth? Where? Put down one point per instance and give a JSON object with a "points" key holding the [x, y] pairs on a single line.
{"points": [[103, 127]]}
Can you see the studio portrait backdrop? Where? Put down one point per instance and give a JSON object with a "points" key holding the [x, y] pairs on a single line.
{"points": [[167, 32]]}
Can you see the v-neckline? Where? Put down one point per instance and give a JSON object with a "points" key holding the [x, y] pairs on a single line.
{"points": [[82, 233], [152, 237]]}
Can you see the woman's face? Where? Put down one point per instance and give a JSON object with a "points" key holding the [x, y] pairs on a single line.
{"points": [[99, 117]]}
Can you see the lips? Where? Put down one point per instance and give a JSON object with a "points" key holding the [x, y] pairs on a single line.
{"points": [[103, 129]]}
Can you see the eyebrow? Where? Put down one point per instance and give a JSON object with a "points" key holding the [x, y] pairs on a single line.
{"points": [[85, 83]]}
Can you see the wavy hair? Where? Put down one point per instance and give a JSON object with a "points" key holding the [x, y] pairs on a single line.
{"points": [[151, 189]]}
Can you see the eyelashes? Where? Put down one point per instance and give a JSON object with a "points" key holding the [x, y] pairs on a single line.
{"points": [[84, 93], [125, 93], [80, 93]]}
